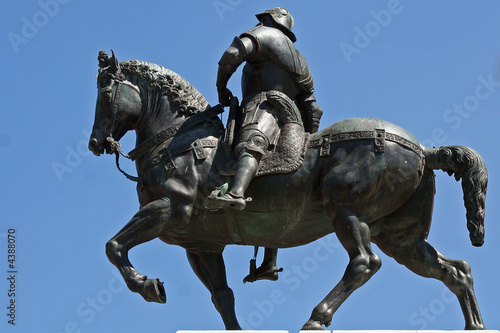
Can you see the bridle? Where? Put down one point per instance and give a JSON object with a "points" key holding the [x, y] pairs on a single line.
{"points": [[115, 146], [119, 78]]}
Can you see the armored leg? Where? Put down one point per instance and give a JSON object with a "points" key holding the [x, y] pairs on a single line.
{"points": [[247, 167], [234, 198], [267, 270], [256, 138]]}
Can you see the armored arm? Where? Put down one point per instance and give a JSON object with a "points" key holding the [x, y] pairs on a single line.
{"points": [[239, 51], [305, 100], [311, 112]]}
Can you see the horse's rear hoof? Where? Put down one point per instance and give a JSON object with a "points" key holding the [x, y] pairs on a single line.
{"points": [[312, 325], [153, 291]]}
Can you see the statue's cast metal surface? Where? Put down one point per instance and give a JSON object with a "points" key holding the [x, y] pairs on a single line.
{"points": [[367, 180]]}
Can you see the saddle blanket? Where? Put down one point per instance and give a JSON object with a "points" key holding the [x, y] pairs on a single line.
{"points": [[287, 156]]}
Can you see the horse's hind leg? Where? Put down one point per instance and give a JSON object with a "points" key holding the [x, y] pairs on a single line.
{"points": [[423, 259], [146, 225], [410, 226], [211, 270], [354, 236]]}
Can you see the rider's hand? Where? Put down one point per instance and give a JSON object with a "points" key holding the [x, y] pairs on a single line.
{"points": [[225, 96]]}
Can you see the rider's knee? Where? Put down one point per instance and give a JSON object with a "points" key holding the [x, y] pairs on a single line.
{"points": [[258, 135], [256, 143]]}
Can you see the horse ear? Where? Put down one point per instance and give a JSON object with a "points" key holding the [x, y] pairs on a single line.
{"points": [[113, 62], [103, 59]]}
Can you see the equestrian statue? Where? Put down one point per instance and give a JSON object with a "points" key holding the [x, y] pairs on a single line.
{"points": [[270, 179]]}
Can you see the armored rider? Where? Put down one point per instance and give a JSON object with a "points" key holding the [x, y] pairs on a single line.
{"points": [[272, 64]]}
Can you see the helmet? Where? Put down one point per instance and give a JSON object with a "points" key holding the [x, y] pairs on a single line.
{"points": [[283, 18]]}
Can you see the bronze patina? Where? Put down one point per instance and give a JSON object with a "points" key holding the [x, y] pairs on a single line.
{"points": [[367, 180]]}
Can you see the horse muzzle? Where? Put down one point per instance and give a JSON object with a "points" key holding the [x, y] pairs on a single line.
{"points": [[95, 147], [97, 142]]}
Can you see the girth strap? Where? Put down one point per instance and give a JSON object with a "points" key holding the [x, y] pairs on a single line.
{"points": [[165, 156]]}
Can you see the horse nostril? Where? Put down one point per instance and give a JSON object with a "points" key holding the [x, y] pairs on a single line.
{"points": [[93, 143], [93, 147]]}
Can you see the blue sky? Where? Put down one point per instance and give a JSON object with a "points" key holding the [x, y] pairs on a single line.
{"points": [[430, 67]]}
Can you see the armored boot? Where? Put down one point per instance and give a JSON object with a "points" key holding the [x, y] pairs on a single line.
{"points": [[234, 198], [267, 270]]}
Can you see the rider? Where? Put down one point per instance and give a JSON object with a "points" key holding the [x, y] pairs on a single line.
{"points": [[272, 64]]}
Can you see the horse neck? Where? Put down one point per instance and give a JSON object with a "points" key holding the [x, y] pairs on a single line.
{"points": [[156, 117]]}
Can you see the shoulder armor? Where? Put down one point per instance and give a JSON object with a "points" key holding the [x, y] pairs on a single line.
{"points": [[277, 47]]}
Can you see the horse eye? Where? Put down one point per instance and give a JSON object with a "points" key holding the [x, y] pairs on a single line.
{"points": [[106, 94], [105, 81]]}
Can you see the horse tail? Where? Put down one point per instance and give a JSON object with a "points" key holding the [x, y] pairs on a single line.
{"points": [[466, 164]]}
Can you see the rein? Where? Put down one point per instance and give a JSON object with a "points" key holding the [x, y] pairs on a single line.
{"points": [[116, 147]]}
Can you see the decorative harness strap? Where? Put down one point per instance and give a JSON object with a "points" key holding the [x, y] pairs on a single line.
{"points": [[165, 156], [171, 131], [379, 135]]}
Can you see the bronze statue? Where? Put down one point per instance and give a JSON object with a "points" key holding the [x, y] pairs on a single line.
{"points": [[367, 180]]}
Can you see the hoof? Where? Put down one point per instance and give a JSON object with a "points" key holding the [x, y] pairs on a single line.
{"points": [[312, 325], [475, 327], [153, 291]]}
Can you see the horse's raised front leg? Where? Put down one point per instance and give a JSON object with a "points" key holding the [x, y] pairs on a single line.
{"points": [[211, 270], [146, 225], [354, 236]]}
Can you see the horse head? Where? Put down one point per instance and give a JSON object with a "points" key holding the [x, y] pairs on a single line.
{"points": [[118, 105]]}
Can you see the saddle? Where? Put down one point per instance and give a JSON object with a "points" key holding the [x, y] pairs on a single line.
{"points": [[286, 156]]}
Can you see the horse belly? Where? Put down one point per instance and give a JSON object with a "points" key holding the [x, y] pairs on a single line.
{"points": [[285, 210]]}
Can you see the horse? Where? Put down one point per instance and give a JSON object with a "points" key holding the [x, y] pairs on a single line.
{"points": [[367, 180]]}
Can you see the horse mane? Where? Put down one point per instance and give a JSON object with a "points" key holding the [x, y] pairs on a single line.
{"points": [[179, 91]]}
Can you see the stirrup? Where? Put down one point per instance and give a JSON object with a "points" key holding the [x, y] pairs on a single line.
{"points": [[220, 198], [259, 274]]}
